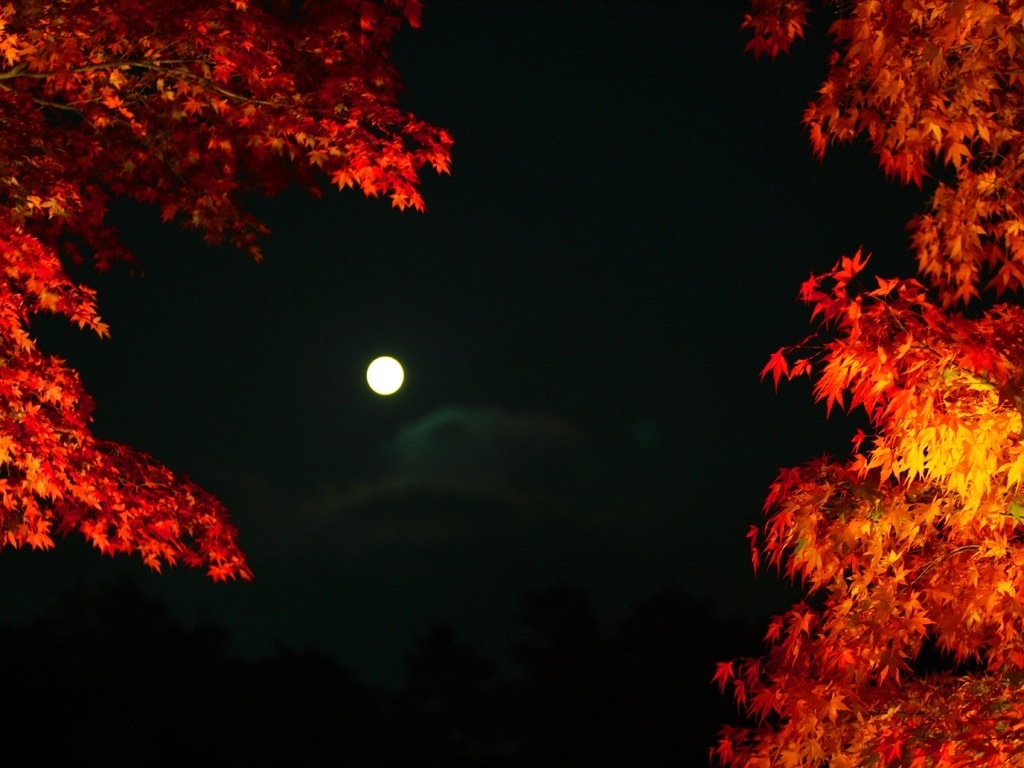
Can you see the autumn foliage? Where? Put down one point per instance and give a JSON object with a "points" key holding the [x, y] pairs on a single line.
{"points": [[190, 107], [915, 542]]}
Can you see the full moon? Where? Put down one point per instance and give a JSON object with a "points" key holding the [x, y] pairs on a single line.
{"points": [[385, 375]]}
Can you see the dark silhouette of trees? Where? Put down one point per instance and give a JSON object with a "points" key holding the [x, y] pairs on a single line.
{"points": [[129, 683], [666, 646], [578, 693], [570, 681], [452, 704]]}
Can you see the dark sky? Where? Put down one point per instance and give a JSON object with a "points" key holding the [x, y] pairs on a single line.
{"points": [[582, 313]]}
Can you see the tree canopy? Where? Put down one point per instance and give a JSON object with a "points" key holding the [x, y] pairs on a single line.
{"points": [[192, 108], [913, 543]]}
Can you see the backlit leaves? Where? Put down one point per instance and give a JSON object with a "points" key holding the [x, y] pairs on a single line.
{"points": [[914, 540], [190, 107], [936, 88]]}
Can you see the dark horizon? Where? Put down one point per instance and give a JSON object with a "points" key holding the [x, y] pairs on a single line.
{"points": [[567, 688]]}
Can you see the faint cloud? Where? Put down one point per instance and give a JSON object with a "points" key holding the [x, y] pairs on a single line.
{"points": [[455, 474], [481, 451]]}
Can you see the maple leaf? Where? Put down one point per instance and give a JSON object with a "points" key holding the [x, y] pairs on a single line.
{"points": [[755, 553], [724, 674], [777, 366], [800, 367], [848, 268]]}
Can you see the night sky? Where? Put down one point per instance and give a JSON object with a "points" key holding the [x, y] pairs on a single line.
{"points": [[582, 314]]}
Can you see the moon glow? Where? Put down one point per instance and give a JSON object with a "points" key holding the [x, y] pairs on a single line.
{"points": [[385, 375]]}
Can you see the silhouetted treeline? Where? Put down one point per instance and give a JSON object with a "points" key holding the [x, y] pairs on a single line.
{"points": [[111, 678]]}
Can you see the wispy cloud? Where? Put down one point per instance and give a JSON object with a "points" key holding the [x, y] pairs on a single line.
{"points": [[458, 472]]}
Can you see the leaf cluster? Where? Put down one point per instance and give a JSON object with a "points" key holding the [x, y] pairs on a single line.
{"points": [[190, 107], [937, 89], [915, 540]]}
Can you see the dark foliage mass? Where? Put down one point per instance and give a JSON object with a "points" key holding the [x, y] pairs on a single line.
{"points": [[131, 685]]}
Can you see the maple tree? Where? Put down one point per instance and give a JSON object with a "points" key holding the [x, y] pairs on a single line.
{"points": [[914, 541], [190, 107]]}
